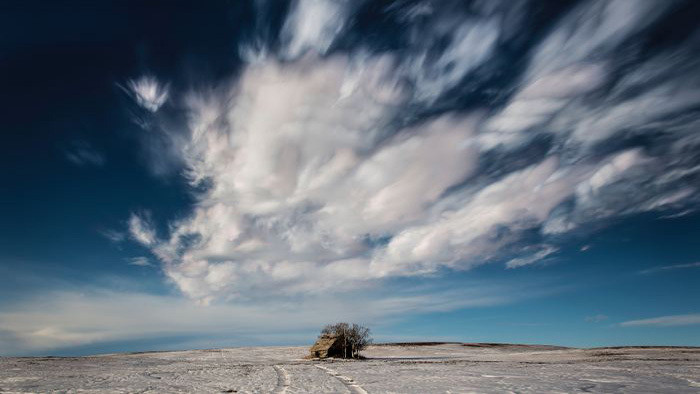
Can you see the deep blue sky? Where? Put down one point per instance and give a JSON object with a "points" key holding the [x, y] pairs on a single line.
{"points": [[181, 175]]}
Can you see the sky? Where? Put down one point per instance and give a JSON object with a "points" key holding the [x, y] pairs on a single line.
{"points": [[183, 175]]}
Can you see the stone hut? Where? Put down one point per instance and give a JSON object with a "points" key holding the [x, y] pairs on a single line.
{"points": [[327, 346]]}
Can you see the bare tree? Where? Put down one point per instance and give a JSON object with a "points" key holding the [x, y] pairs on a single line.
{"points": [[354, 337]]}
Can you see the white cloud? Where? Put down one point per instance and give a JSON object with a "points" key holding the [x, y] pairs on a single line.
{"points": [[545, 95], [605, 121], [470, 44], [612, 170], [540, 253], [313, 25], [148, 92], [519, 201], [317, 180], [571, 62], [113, 235], [594, 29], [140, 261], [298, 181], [673, 267], [141, 229], [66, 319], [665, 321], [304, 174]]}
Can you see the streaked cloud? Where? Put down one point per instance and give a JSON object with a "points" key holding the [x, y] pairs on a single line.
{"points": [[539, 253], [148, 92], [81, 153], [313, 25], [321, 170], [64, 319], [113, 235], [665, 268], [140, 261], [665, 321], [470, 43], [141, 228]]}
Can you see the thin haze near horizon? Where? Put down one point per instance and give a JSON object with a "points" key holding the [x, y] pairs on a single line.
{"points": [[182, 175]]}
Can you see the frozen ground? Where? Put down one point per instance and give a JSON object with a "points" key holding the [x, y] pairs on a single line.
{"points": [[453, 368]]}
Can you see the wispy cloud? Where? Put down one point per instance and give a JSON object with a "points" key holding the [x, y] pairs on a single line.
{"points": [[321, 175], [313, 25], [65, 319], [540, 253], [140, 261], [665, 321], [148, 92], [113, 235], [81, 153], [675, 215], [141, 228], [664, 268]]}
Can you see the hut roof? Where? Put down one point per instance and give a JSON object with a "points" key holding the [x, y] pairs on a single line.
{"points": [[327, 345]]}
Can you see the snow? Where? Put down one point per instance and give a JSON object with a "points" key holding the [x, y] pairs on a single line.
{"points": [[452, 368]]}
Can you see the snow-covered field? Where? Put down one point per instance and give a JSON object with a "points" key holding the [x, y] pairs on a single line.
{"points": [[450, 368]]}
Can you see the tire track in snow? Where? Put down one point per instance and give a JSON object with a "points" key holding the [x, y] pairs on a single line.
{"points": [[349, 383], [282, 380]]}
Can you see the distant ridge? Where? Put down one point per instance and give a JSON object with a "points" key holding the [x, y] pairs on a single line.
{"points": [[473, 344], [527, 346], [646, 347], [416, 343]]}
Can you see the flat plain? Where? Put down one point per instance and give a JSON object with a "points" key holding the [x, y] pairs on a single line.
{"points": [[394, 368]]}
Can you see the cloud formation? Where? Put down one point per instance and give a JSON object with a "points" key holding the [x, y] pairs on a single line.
{"points": [[140, 261], [65, 319], [665, 321], [81, 153], [148, 92], [141, 228], [313, 25], [113, 235], [665, 268], [314, 173]]}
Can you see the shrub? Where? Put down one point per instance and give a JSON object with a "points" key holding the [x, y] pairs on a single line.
{"points": [[353, 337]]}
